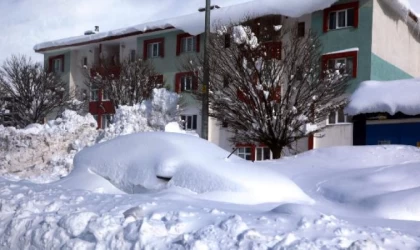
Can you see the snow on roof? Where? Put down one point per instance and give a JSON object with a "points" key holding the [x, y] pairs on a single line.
{"points": [[342, 51], [194, 23], [386, 96]]}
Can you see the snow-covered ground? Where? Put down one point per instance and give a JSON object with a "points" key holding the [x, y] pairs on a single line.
{"points": [[354, 198]]}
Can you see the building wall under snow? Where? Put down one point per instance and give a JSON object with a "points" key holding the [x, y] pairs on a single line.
{"points": [[395, 44]]}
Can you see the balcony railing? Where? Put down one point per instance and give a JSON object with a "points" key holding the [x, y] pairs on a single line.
{"points": [[106, 71]]}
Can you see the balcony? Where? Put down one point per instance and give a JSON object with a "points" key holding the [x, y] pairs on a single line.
{"points": [[106, 71]]}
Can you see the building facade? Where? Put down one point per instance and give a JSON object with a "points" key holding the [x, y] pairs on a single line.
{"points": [[371, 37]]}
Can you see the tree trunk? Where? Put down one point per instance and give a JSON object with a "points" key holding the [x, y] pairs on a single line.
{"points": [[276, 150]]}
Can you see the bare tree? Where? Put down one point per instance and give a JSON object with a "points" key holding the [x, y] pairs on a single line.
{"points": [[32, 91], [127, 84], [268, 83]]}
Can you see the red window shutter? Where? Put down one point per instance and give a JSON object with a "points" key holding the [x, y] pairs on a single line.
{"points": [[162, 48], [160, 79], [326, 20], [178, 44], [178, 82], [195, 82], [356, 15], [145, 44], [197, 43]]}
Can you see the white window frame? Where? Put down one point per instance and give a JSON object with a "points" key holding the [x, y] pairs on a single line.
{"points": [[57, 66], [184, 81], [337, 27], [345, 59], [105, 96], [262, 154], [91, 95], [186, 125], [185, 44], [336, 116], [151, 48], [241, 152]]}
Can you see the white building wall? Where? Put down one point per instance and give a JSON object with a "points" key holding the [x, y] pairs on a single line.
{"points": [[394, 40], [334, 135]]}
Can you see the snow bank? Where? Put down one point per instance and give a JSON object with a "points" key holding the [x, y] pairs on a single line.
{"points": [[150, 115], [386, 96], [194, 23], [45, 150], [44, 153], [354, 157], [363, 181], [133, 163]]}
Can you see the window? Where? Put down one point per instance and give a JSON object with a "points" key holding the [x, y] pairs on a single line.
{"points": [[185, 82], [343, 65], [245, 153], [301, 29], [106, 120], [341, 19], [345, 62], [337, 117], [189, 122], [341, 16], [105, 95], [187, 43], [153, 48], [94, 95], [263, 153], [85, 61], [56, 64], [132, 55]]}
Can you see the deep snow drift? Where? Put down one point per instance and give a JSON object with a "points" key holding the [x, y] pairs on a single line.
{"points": [[134, 162], [43, 153], [357, 193]]}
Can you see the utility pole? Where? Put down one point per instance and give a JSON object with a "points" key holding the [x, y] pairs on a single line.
{"points": [[206, 77]]}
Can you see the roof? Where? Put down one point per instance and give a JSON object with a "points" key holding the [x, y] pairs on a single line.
{"points": [[386, 97], [194, 23]]}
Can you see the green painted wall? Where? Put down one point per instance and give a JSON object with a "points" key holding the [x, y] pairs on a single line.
{"points": [[382, 70], [171, 64], [360, 37]]}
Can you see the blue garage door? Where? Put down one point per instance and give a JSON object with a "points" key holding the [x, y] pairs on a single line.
{"points": [[402, 133]]}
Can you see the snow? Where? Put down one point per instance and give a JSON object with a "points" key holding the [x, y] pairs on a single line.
{"points": [[365, 199], [342, 51], [386, 96], [142, 158], [44, 153], [194, 23]]}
